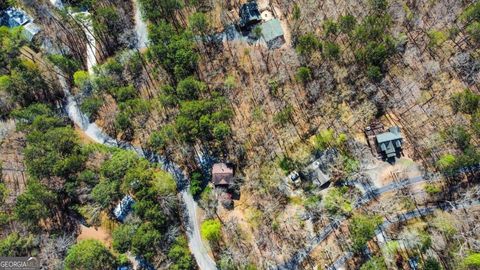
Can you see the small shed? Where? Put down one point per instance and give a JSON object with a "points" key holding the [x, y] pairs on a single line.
{"points": [[30, 30], [390, 142], [293, 178], [272, 33], [222, 174], [249, 15], [122, 209]]}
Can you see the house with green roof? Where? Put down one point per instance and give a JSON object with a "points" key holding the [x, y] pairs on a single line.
{"points": [[390, 143], [272, 33]]}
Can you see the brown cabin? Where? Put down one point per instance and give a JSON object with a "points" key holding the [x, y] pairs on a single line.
{"points": [[222, 175]]}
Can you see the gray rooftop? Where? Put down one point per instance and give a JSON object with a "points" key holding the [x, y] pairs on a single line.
{"points": [[271, 30], [314, 173], [30, 30], [123, 208], [249, 14], [13, 17], [390, 141], [392, 134]]}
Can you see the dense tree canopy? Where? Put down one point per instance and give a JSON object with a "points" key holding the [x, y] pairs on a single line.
{"points": [[15, 245], [35, 204], [211, 230], [145, 241], [158, 10], [362, 229], [173, 50], [89, 254], [21, 81], [180, 254]]}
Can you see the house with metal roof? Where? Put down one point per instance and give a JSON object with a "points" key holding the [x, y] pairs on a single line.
{"points": [[122, 209], [13, 17], [272, 33], [314, 173], [390, 142], [249, 15], [222, 174]]}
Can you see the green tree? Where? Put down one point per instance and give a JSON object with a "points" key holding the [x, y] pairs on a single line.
{"points": [[66, 64], [35, 204], [107, 22], [379, 5], [196, 182], [432, 189], [15, 245], [362, 229], [331, 50], [325, 139], [91, 255], [90, 107], [307, 44], [159, 140], [81, 79], [163, 183], [432, 264], [375, 263], [465, 102], [374, 73], [3, 190], [447, 163], [257, 32], [168, 97], [287, 164], [472, 261], [148, 209], [437, 38], [198, 23], [337, 202], [221, 131], [179, 253], [53, 152], [284, 115], [117, 166], [469, 158], [211, 230], [25, 84], [12, 40], [200, 119], [304, 75], [460, 136], [230, 82], [125, 93], [190, 88], [297, 13], [472, 13], [105, 193], [374, 44], [123, 122], [174, 51], [475, 122], [145, 241], [330, 27], [347, 23], [159, 10], [122, 237]]}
